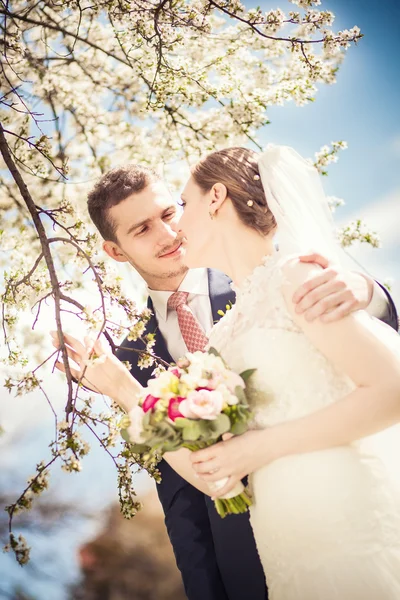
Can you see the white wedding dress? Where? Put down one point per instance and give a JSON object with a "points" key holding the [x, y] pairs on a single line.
{"points": [[327, 523]]}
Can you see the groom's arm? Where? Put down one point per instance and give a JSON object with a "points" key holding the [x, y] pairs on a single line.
{"points": [[336, 292]]}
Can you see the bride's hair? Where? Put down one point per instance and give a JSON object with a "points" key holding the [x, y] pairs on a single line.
{"points": [[237, 169]]}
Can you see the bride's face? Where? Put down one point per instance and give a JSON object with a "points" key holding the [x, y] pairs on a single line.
{"points": [[195, 224]]}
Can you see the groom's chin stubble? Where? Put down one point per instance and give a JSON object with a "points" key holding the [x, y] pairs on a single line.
{"points": [[165, 275], [182, 270]]}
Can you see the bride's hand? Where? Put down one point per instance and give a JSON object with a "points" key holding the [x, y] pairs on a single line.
{"points": [[98, 369], [234, 458]]}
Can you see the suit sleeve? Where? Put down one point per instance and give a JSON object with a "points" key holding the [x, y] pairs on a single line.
{"points": [[390, 316]]}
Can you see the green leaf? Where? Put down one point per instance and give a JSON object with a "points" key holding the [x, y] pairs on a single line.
{"points": [[192, 431], [218, 426], [181, 422], [240, 395], [146, 418], [247, 374], [239, 427], [214, 352], [138, 448], [171, 446], [125, 435], [243, 412]]}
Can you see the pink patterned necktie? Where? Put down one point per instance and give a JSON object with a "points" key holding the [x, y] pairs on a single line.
{"points": [[192, 332]]}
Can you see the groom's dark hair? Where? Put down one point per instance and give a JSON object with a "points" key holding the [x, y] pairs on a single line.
{"points": [[111, 189]]}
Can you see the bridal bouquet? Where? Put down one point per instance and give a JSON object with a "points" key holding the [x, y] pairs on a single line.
{"points": [[191, 405]]}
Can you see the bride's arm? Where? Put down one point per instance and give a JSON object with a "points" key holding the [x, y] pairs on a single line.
{"points": [[357, 345], [113, 379]]}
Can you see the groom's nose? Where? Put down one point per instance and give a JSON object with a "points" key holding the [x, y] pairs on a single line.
{"points": [[174, 224], [166, 233]]}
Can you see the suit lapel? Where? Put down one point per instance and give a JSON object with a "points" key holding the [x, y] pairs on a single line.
{"points": [[220, 292], [160, 347]]}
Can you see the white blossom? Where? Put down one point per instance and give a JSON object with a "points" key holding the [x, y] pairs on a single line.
{"points": [[144, 83]]}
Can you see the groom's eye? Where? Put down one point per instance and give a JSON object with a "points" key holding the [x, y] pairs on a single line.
{"points": [[181, 203], [142, 230]]}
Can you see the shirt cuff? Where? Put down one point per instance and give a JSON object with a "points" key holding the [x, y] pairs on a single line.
{"points": [[378, 305]]}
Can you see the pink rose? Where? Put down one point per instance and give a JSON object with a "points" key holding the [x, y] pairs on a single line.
{"points": [[149, 403], [175, 372], [174, 408], [202, 404]]}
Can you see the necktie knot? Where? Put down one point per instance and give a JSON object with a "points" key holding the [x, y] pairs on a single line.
{"points": [[177, 299]]}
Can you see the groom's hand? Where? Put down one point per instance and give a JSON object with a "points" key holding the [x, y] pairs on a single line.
{"points": [[333, 293]]}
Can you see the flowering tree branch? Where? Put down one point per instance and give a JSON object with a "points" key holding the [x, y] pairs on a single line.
{"points": [[45, 245], [91, 84]]}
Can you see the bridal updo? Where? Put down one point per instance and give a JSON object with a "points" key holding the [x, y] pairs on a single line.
{"points": [[237, 169]]}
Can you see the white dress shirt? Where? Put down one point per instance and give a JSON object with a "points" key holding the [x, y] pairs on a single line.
{"points": [[196, 284]]}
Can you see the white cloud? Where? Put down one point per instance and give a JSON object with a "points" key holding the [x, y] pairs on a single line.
{"points": [[383, 216], [396, 145]]}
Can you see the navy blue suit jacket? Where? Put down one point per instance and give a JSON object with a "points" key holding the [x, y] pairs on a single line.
{"points": [[217, 557]]}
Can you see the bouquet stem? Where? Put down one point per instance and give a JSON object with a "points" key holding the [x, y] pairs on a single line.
{"points": [[233, 506], [235, 502]]}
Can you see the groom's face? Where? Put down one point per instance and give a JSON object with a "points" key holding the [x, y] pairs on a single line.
{"points": [[145, 236]]}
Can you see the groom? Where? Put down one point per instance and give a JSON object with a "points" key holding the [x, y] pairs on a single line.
{"points": [[133, 211]]}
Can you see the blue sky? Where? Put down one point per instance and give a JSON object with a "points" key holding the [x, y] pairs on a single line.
{"points": [[362, 107]]}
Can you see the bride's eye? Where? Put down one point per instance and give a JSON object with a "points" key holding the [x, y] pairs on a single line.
{"points": [[181, 203]]}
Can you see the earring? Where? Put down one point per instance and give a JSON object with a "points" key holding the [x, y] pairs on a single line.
{"points": [[211, 215]]}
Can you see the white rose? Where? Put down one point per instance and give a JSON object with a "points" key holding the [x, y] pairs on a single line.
{"points": [[214, 363], [228, 396], [189, 381], [162, 386]]}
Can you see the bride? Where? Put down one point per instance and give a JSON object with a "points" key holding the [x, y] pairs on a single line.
{"points": [[325, 395]]}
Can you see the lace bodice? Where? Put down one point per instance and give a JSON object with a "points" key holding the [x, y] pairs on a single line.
{"points": [[293, 378]]}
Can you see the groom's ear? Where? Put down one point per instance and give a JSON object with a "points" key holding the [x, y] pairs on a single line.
{"points": [[114, 251], [219, 193]]}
